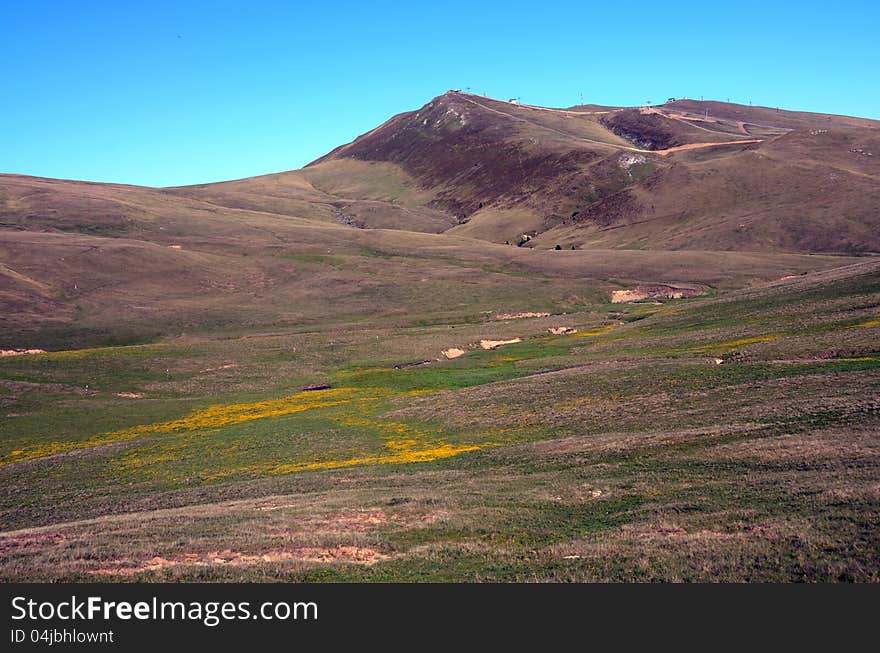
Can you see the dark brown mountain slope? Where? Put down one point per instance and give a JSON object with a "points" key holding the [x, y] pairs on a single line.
{"points": [[682, 175], [480, 155], [703, 175]]}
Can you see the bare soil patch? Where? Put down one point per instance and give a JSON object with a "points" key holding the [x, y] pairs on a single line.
{"points": [[518, 316], [494, 344], [21, 352], [228, 558], [452, 352], [654, 291]]}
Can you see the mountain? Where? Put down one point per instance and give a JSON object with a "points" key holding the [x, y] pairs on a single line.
{"points": [[345, 372], [684, 175], [464, 177], [83, 264]]}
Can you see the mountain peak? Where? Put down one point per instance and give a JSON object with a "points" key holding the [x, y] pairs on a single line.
{"points": [[643, 176]]}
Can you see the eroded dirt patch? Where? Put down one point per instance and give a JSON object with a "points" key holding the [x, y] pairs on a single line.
{"points": [[227, 558], [656, 291], [21, 352], [228, 366], [518, 316], [452, 352], [494, 344]]}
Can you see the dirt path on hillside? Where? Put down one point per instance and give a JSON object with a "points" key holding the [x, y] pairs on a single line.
{"points": [[741, 125], [690, 121], [698, 146], [678, 148]]}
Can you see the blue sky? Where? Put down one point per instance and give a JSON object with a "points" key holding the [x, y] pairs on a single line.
{"points": [[167, 93]]}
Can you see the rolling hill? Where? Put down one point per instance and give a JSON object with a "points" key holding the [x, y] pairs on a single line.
{"points": [[685, 175], [463, 174], [483, 341]]}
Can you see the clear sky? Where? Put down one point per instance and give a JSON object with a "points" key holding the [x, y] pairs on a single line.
{"points": [[166, 93]]}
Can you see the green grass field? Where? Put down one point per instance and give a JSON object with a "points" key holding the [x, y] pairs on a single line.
{"points": [[624, 451]]}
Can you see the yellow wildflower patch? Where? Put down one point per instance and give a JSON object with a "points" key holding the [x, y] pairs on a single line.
{"points": [[403, 442], [400, 453], [859, 359], [870, 323], [207, 418], [595, 332], [225, 415]]}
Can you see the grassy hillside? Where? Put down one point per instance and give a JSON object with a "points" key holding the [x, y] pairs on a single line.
{"points": [[684, 175], [91, 264], [352, 371], [810, 190], [624, 451]]}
